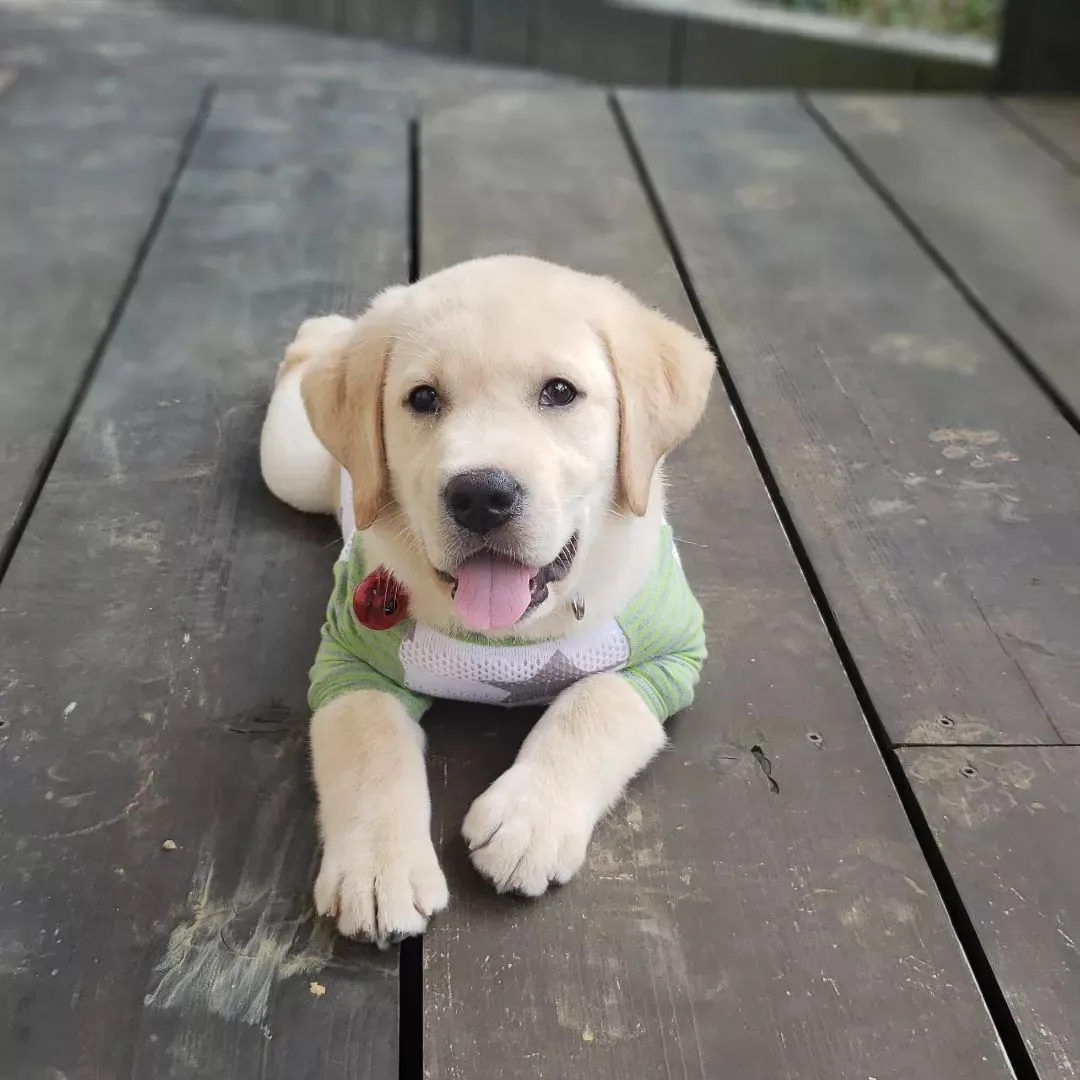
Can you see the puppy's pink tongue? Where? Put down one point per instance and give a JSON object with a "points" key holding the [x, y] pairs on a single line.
{"points": [[492, 592]]}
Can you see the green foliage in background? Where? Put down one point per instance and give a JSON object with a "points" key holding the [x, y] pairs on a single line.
{"points": [[954, 16]]}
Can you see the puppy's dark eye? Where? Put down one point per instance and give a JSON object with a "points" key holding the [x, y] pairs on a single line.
{"points": [[557, 394], [424, 399]]}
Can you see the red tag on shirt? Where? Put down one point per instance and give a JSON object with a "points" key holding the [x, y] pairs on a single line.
{"points": [[380, 601]]}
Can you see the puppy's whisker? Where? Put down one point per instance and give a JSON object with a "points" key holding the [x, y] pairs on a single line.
{"points": [[402, 527], [384, 507], [410, 542], [415, 336], [370, 339], [404, 533]]}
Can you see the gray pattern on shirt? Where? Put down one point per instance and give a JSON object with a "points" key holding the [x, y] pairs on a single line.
{"points": [[551, 680]]}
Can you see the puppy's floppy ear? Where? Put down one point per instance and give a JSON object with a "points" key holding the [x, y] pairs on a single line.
{"points": [[664, 373], [343, 396], [317, 335]]}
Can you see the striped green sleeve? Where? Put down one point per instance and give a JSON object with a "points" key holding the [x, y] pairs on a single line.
{"points": [[352, 657], [666, 631]]}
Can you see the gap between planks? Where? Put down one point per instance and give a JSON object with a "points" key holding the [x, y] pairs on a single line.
{"points": [[411, 954], [984, 746], [1043, 141], [127, 286], [941, 261]]}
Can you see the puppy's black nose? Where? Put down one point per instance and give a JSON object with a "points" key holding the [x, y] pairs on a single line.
{"points": [[483, 499]]}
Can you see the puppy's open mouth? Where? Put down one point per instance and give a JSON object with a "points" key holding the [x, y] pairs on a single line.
{"points": [[493, 590]]}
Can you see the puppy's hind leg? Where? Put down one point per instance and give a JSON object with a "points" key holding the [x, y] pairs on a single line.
{"points": [[296, 467]]}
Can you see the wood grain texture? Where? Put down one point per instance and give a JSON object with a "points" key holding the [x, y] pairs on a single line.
{"points": [[931, 481], [156, 627], [717, 928], [84, 164], [1054, 119], [1003, 213], [1007, 821]]}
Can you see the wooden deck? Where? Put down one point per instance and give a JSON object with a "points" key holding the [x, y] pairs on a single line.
{"points": [[859, 859]]}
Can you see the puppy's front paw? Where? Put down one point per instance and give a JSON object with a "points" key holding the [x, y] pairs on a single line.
{"points": [[524, 832], [380, 886]]}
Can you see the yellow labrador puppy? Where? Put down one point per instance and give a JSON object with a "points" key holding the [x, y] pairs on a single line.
{"points": [[491, 438]]}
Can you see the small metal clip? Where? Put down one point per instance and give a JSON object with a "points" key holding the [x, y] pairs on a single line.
{"points": [[577, 606]]}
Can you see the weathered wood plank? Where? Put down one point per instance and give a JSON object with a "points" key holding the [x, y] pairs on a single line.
{"points": [[84, 164], [932, 482], [1002, 212], [718, 928], [1005, 216], [1056, 120], [156, 626], [1007, 820], [123, 40]]}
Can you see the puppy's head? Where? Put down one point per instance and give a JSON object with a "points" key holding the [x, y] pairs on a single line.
{"points": [[493, 417]]}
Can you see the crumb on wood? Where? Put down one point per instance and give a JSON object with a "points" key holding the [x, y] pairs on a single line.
{"points": [[169, 845], [317, 989]]}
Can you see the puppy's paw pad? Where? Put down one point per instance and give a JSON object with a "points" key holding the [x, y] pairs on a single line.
{"points": [[525, 833], [381, 892]]}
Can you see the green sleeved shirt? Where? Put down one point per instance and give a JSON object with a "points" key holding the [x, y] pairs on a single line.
{"points": [[657, 644]]}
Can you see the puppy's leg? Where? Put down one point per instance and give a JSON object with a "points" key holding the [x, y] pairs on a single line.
{"points": [[532, 826], [296, 467], [379, 876]]}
